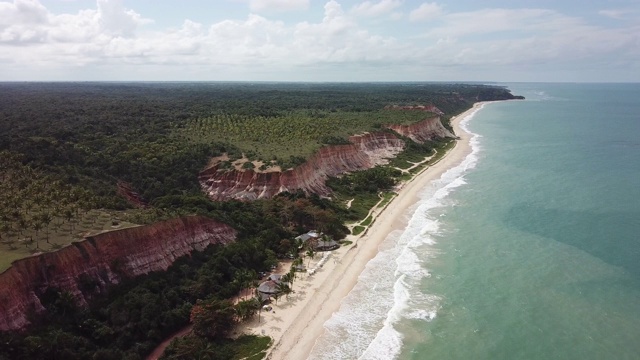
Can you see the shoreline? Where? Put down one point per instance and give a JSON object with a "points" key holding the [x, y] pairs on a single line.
{"points": [[296, 324]]}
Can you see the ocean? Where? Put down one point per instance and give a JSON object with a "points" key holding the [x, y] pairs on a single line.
{"points": [[530, 249]]}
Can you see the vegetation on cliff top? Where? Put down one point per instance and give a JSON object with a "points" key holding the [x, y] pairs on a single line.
{"points": [[287, 140]]}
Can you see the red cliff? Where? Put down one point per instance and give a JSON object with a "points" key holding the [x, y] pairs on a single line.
{"points": [[424, 130], [104, 259], [364, 152]]}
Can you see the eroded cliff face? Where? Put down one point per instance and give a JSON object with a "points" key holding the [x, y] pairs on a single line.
{"points": [[364, 152], [102, 259], [424, 130]]}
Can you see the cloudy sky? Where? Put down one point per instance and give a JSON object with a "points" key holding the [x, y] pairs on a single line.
{"points": [[320, 40]]}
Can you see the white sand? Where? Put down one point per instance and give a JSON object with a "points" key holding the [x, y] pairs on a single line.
{"points": [[295, 324]]}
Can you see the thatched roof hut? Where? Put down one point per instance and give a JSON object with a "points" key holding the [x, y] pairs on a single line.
{"points": [[269, 287], [326, 245]]}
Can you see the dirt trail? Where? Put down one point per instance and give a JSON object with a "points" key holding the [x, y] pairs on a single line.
{"points": [[159, 350]]}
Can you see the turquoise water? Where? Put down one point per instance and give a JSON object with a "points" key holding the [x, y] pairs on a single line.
{"points": [[528, 250]]}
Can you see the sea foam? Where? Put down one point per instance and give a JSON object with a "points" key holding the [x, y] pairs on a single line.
{"points": [[388, 291]]}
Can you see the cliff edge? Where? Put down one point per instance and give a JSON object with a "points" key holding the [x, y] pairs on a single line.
{"points": [[364, 151], [102, 259]]}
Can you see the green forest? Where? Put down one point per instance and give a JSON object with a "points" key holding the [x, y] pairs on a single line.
{"points": [[81, 158]]}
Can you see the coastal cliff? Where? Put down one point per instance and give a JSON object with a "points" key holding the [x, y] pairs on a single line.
{"points": [[424, 130], [364, 151], [101, 260]]}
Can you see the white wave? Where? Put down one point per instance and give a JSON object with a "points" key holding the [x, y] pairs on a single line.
{"points": [[388, 289], [351, 329]]}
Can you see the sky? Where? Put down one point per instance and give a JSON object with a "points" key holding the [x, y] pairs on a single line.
{"points": [[320, 40]]}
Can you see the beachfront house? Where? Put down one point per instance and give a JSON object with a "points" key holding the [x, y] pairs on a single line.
{"points": [[311, 235], [326, 245], [270, 287], [318, 241]]}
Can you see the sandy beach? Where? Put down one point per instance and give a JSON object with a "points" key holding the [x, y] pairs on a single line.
{"points": [[296, 323]]}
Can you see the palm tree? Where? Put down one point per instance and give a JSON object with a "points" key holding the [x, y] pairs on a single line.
{"points": [[29, 204], [277, 296], [244, 278], [86, 203], [23, 224], [286, 278], [245, 309], [46, 219], [249, 280], [68, 214], [283, 288], [37, 225], [292, 275], [4, 227], [310, 253], [7, 228], [257, 299], [296, 263]]}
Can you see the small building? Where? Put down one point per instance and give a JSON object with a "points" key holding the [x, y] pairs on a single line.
{"points": [[311, 235], [326, 245], [264, 298], [269, 287]]}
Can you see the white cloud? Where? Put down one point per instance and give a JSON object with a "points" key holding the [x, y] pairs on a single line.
{"points": [[107, 35], [22, 21], [25, 12], [488, 21], [425, 11], [111, 36], [528, 36], [618, 14], [28, 21], [117, 20], [278, 5], [373, 9]]}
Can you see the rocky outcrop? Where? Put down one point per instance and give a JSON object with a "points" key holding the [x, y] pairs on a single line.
{"points": [[424, 130], [364, 152], [101, 260]]}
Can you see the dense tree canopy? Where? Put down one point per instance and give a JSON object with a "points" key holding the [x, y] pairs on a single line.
{"points": [[158, 136]]}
